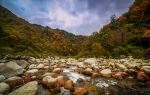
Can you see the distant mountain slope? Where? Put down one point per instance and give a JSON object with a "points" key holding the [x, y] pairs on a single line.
{"points": [[20, 37], [127, 35]]}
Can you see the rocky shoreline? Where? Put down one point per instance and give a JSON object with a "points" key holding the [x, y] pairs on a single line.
{"points": [[23, 75]]}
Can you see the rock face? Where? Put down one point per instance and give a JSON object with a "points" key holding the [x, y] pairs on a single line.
{"points": [[4, 88], [10, 69], [28, 89], [106, 73]]}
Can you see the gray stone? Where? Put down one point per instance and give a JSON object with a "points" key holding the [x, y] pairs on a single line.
{"points": [[22, 63], [2, 78], [28, 89], [121, 67], [146, 69], [10, 69], [4, 87]]}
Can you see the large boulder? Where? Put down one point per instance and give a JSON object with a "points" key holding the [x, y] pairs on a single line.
{"points": [[22, 63], [106, 72], [10, 69], [28, 89], [4, 88]]}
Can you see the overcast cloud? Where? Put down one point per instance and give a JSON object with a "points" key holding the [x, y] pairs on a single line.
{"points": [[76, 16]]}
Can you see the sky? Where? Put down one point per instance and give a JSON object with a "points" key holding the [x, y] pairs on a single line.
{"points": [[81, 17]]}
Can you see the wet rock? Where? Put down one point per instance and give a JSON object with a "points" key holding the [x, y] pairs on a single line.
{"points": [[68, 85], [49, 81], [80, 80], [22, 63], [13, 81], [118, 75], [27, 89], [27, 77], [57, 70], [42, 90], [94, 75], [64, 91], [92, 89], [146, 69], [60, 80], [33, 77], [80, 91], [50, 74], [106, 73], [40, 66], [4, 88], [32, 66], [121, 67], [2, 78], [32, 71], [10, 69], [141, 75], [88, 71], [91, 61]]}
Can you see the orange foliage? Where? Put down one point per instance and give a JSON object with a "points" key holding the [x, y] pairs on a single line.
{"points": [[147, 33], [135, 8], [13, 37], [96, 45], [122, 19]]}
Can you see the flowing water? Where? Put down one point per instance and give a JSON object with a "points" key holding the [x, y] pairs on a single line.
{"points": [[99, 82], [110, 86]]}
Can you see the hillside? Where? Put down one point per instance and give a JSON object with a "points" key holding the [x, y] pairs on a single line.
{"points": [[127, 35], [17, 36]]}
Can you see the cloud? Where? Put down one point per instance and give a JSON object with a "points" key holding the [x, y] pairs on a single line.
{"points": [[75, 16]]}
